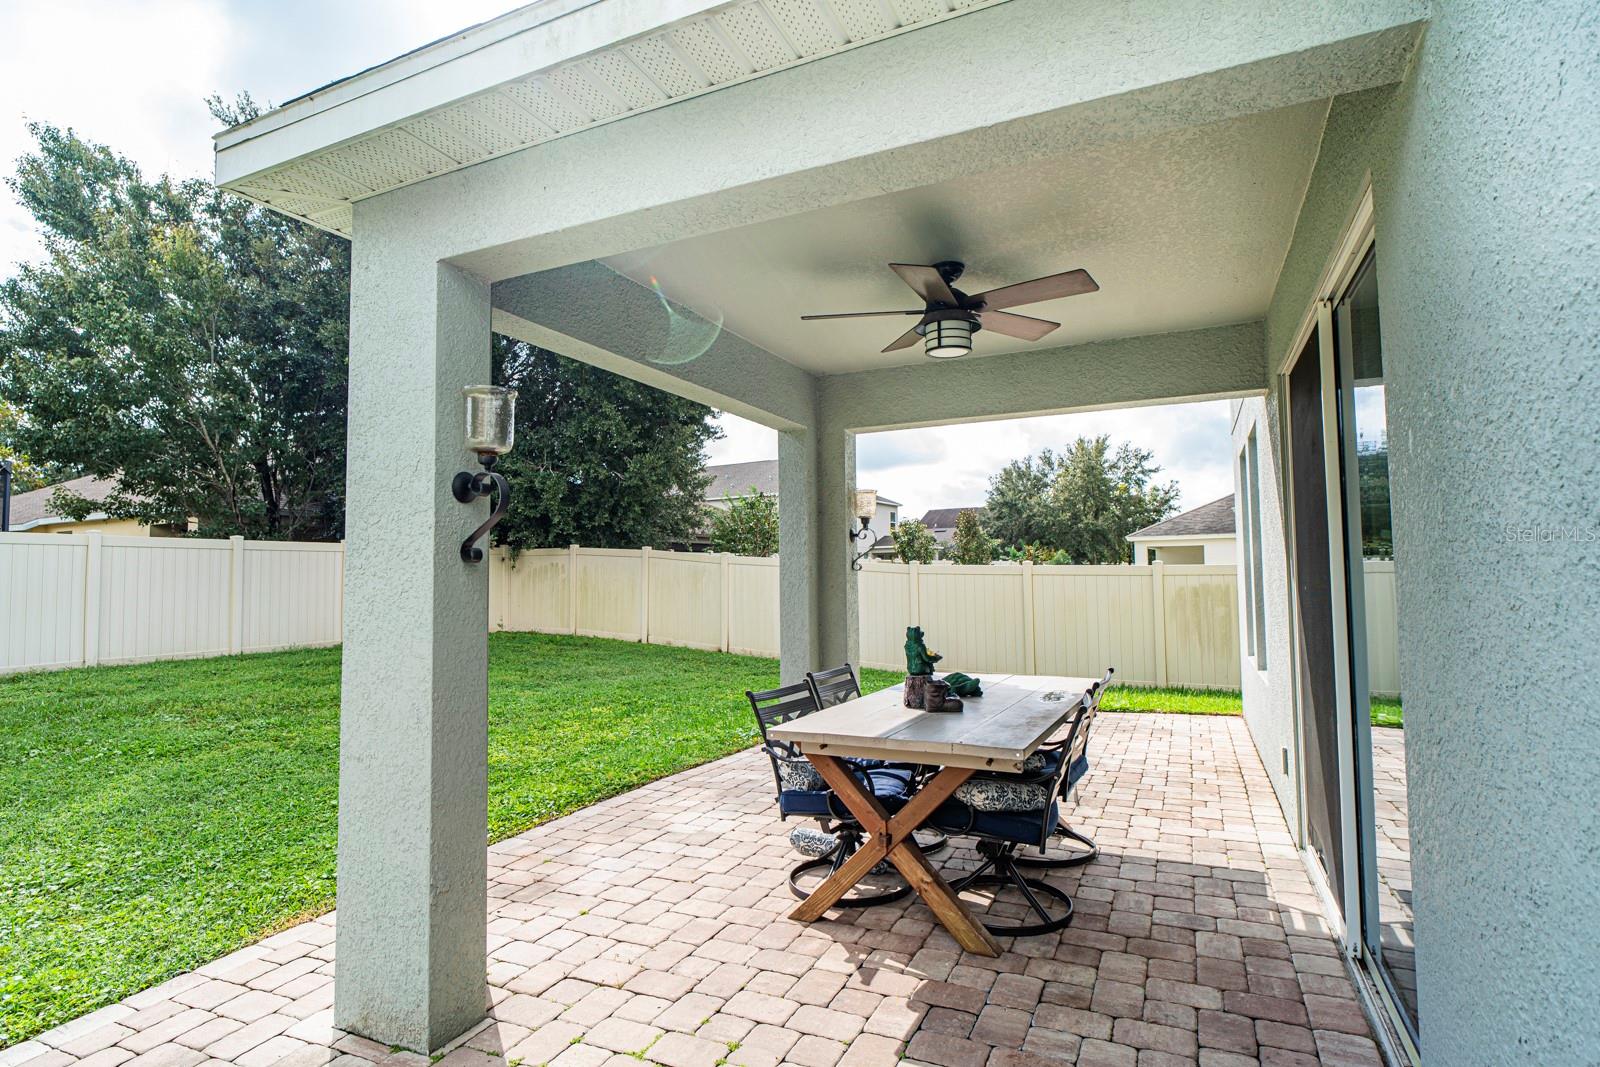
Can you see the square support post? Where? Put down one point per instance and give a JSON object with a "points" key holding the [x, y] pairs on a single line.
{"points": [[413, 733], [818, 623]]}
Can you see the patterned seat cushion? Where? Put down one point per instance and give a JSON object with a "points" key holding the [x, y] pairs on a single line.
{"points": [[1003, 794]]}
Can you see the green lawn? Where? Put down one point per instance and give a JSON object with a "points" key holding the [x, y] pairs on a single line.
{"points": [[158, 816]]}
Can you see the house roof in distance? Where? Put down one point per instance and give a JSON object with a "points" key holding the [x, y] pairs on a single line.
{"points": [[1208, 520], [32, 507], [736, 479], [945, 518]]}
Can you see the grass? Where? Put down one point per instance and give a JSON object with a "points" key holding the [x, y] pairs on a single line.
{"points": [[159, 816]]}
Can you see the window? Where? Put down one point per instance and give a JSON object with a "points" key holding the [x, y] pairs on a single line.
{"points": [[1255, 598]]}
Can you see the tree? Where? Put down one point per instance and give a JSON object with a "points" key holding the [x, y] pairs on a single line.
{"points": [[748, 528], [971, 546], [913, 543], [179, 340], [1092, 498], [600, 460]]}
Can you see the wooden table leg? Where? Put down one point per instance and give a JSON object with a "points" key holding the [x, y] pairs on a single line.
{"points": [[890, 838]]}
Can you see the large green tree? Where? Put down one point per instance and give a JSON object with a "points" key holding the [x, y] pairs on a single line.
{"points": [[180, 340], [1082, 502], [600, 460]]}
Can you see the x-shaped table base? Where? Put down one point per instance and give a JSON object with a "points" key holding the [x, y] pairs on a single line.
{"points": [[889, 837]]}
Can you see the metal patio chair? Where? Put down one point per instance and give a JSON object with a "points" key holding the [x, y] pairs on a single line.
{"points": [[802, 793], [1077, 767], [1009, 812]]}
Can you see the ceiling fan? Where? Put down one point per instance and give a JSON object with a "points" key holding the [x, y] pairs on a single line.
{"points": [[950, 317]]}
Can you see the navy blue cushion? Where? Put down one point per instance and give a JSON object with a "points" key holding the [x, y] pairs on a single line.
{"points": [[891, 787], [1022, 827], [1079, 768]]}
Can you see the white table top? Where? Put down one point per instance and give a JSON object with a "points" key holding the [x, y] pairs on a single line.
{"points": [[996, 731]]}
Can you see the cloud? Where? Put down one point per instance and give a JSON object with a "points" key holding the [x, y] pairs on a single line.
{"points": [[950, 466]]}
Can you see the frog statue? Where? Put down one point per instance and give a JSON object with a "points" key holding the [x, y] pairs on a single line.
{"points": [[919, 660]]}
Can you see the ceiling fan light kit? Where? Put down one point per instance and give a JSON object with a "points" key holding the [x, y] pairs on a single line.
{"points": [[947, 338], [950, 317]]}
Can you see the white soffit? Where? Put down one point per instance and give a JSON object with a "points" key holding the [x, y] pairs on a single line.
{"points": [[727, 45]]}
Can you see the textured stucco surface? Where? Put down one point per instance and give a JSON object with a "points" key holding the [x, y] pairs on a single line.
{"points": [[1483, 165], [590, 312], [1268, 695], [1223, 361], [413, 789], [1055, 77]]}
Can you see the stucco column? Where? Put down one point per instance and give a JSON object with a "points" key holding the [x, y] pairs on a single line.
{"points": [[818, 626], [414, 724]]}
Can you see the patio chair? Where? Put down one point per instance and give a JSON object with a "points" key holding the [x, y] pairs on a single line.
{"points": [[837, 685], [1012, 811], [1077, 767], [802, 793]]}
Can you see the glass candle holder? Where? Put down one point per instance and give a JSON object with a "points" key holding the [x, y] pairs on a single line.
{"points": [[491, 419]]}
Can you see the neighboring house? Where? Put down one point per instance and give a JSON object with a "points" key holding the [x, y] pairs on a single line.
{"points": [[35, 512], [941, 522], [729, 481], [1200, 535]]}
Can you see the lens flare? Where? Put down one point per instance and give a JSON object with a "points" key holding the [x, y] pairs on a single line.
{"points": [[689, 335]]}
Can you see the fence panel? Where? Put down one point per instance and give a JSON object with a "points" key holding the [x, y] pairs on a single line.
{"points": [[1383, 629], [752, 601], [532, 591], [885, 609], [41, 624], [1089, 618], [1201, 613], [686, 599], [164, 599], [973, 617], [611, 593], [292, 595]]}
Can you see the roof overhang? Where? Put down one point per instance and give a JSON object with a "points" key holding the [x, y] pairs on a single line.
{"points": [[1180, 539], [546, 70]]}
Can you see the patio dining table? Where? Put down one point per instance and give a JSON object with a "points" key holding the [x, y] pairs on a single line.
{"points": [[995, 732]]}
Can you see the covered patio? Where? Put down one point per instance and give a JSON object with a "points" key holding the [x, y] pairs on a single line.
{"points": [[653, 926], [663, 190]]}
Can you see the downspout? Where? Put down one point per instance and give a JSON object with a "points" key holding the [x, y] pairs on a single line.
{"points": [[5, 496]]}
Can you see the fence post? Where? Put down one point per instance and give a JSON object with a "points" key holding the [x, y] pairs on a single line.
{"points": [[727, 597], [235, 595], [1158, 603], [1030, 656], [913, 592], [644, 595], [572, 590], [91, 601]]}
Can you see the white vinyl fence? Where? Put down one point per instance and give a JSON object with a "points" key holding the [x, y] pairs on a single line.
{"points": [[87, 599], [74, 600]]}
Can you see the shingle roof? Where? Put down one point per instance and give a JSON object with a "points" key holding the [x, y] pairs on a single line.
{"points": [[737, 479], [36, 504], [1207, 520], [945, 518]]}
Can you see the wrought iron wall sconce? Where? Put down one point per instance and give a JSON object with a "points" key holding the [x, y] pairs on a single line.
{"points": [[491, 431], [866, 502]]}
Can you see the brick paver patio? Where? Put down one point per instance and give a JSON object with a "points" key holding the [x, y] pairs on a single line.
{"points": [[652, 927]]}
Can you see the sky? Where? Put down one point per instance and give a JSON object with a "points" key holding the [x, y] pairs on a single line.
{"points": [[134, 74]]}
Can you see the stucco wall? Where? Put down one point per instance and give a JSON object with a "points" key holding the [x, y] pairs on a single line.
{"points": [[1267, 695], [1483, 166]]}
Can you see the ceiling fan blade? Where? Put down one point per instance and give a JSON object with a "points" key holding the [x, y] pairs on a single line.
{"points": [[1023, 326], [927, 282], [858, 315], [905, 340], [1070, 283]]}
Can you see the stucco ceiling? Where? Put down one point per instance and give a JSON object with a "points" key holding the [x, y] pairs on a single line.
{"points": [[1182, 231]]}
